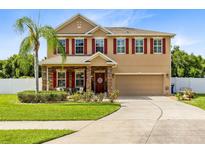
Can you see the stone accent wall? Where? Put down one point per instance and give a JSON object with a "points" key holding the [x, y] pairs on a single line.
{"points": [[50, 78], [89, 73], [50, 75], [88, 78], [44, 77], [109, 80]]}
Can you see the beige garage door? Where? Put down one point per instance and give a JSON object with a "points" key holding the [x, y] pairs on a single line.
{"points": [[139, 85]]}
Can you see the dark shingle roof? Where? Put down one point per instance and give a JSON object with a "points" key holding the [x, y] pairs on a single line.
{"points": [[135, 31]]}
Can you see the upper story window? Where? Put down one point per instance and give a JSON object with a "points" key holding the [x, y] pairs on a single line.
{"points": [[63, 44], [79, 79], [120, 45], [79, 46], [99, 43], [61, 79], [139, 44], [158, 45]]}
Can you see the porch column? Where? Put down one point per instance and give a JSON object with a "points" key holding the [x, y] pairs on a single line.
{"points": [[44, 78], [88, 78], [109, 80]]}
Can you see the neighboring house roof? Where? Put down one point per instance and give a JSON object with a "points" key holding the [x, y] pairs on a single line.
{"points": [[76, 60], [112, 31]]}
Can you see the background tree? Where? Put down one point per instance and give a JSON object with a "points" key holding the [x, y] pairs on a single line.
{"points": [[1, 69], [187, 65], [17, 67], [31, 43]]}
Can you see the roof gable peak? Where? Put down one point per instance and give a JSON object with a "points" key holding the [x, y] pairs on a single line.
{"points": [[73, 18]]}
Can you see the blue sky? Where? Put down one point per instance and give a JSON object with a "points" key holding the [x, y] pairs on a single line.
{"points": [[188, 25]]}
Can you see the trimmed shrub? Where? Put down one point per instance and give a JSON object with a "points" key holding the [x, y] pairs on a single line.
{"points": [[87, 96], [186, 94], [41, 97], [114, 95], [100, 97], [76, 97]]}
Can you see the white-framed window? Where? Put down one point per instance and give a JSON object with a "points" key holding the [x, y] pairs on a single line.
{"points": [[63, 43], [61, 78], [79, 46], [120, 45], [79, 78], [99, 45], [157, 45], [139, 45]]}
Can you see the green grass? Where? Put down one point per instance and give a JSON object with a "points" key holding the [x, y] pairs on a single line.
{"points": [[11, 109], [198, 101], [30, 136]]}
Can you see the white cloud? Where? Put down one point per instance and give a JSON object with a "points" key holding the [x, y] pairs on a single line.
{"points": [[185, 41], [118, 17], [134, 16]]}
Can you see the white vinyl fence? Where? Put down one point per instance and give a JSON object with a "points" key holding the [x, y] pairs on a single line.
{"points": [[12, 86], [196, 84]]}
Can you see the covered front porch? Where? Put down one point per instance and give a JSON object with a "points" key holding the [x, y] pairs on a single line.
{"points": [[79, 73]]}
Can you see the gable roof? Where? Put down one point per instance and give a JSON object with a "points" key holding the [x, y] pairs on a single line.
{"points": [[99, 54], [101, 28], [72, 19], [76, 60]]}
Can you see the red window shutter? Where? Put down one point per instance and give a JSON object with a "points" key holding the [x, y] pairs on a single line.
{"points": [[54, 78], [145, 46], [67, 46], [164, 46], [85, 46], [114, 46], [105, 46], [67, 79], [73, 79], [133, 46], [127, 46], [93, 46], [85, 76], [73, 46], [151, 45]]}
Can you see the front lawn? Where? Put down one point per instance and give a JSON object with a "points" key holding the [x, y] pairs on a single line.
{"points": [[198, 101], [11, 109], [30, 136]]}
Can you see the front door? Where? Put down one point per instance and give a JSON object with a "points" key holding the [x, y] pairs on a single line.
{"points": [[100, 82]]}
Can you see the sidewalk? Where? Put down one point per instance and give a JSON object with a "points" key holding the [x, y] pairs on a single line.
{"points": [[73, 125]]}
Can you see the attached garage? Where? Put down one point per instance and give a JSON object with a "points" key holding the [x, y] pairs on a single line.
{"points": [[130, 85]]}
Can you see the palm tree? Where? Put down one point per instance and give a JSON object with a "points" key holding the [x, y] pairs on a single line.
{"points": [[31, 43]]}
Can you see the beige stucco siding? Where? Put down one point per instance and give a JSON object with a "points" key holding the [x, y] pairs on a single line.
{"points": [[139, 85], [73, 27]]}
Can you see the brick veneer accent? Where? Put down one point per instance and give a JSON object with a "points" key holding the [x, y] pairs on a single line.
{"points": [[88, 78], [44, 77], [50, 78], [109, 80], [89, 73]]}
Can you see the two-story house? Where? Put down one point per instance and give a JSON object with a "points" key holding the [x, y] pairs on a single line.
{"points": [[134, 61]]}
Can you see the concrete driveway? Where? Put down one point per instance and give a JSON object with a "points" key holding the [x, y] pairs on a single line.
{"points": [[155, 119]]}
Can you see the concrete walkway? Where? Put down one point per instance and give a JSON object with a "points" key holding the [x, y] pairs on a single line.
{"points": [[73, 125], [145, 120]]}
